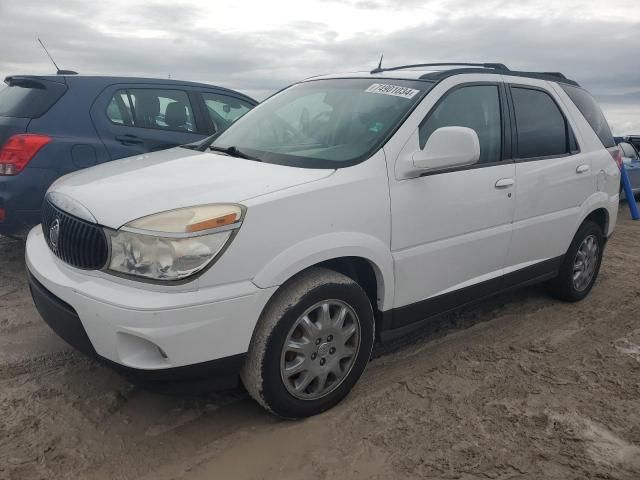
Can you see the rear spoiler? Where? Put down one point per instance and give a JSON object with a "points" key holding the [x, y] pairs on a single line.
{"points": [[32, 81]]}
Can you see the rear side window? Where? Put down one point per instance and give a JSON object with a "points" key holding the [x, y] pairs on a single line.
{"points": [[591, 112], [476, 107], [224, 110], [24, 98], [542, 130], [152, 108]]}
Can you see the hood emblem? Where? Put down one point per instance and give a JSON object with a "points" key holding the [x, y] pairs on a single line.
{"points": [[54, 234]]}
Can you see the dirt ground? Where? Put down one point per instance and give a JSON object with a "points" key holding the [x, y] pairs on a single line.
{"points": [[520, 387]]}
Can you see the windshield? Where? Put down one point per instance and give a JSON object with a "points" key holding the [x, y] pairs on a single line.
{"points": [[324, 123]]}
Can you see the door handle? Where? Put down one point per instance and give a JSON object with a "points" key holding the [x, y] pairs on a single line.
{"points": [[505, 182], [583, 168], [129, 139]]}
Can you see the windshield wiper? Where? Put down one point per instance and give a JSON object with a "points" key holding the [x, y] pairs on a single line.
{"points": [[233, 152]]}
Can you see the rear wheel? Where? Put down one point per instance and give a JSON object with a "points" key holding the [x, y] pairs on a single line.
{"points": [[311, 345], [581, 265]]}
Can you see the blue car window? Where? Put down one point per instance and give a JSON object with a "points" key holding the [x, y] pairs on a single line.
{"points": [[159, 109], [224, 110]]}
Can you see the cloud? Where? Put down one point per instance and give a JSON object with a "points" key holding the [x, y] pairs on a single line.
{"points": [[232, 48]]}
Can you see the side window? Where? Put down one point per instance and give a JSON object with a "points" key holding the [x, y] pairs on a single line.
{"points": [[541, 127], [628, 150], [476, 107], [224, 110], [152, 108]]}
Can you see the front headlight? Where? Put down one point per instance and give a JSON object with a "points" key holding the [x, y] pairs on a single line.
{"points": [[173, 245]]}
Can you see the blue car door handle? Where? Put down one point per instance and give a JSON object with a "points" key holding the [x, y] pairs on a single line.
{"points": [[129, 139]]}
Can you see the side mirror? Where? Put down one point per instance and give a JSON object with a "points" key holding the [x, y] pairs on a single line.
{"points": [[448, 147]]}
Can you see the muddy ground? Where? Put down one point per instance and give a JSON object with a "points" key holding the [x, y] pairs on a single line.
{"points": [[520, 387]]}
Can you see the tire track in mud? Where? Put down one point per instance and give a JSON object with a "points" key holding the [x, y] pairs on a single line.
{"points": [[37, 366]]}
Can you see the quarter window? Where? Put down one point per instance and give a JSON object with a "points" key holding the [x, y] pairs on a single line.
{"points": [[476, 107], [151, 108], [591, 112], [119, 110], [224, 110], [541, 127]]}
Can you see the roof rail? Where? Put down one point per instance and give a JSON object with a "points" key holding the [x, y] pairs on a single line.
{"points": [[493, 66], [549, 76], [554, 74]]}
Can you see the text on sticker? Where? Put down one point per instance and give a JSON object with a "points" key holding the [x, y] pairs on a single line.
{"points": [[394, 90]]}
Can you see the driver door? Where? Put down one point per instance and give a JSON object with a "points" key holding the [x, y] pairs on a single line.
{"points": [[451, 228]]}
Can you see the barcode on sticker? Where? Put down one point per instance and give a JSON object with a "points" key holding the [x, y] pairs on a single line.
{"points": [[394, 90]]}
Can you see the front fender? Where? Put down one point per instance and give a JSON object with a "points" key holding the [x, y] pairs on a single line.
{"points": [[314, 250]]}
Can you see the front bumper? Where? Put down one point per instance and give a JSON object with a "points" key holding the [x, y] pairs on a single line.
{"points": [[63, 319], [155, 333]]}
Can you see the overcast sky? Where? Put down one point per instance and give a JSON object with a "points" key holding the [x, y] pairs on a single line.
{"points": [[261, 46]]}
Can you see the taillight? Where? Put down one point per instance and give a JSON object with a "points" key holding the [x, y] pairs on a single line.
{"points": [[18, 151], [617, 156]]}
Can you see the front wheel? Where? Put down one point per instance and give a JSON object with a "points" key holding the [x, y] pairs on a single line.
{"points": [[581, 264], [311, 345]]}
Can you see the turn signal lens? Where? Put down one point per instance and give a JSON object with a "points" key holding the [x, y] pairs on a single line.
{"points": [[213, 223]]}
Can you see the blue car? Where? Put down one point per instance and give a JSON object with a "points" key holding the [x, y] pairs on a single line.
{"points": [[631, 160], [54, 125]]}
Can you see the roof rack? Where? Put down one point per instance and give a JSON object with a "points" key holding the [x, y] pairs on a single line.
{"points": [[476, 68], [549, 76], [493, 66], [554, 74]]}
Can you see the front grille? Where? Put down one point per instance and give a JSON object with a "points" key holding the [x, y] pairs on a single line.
{"points": [[76, 242]]}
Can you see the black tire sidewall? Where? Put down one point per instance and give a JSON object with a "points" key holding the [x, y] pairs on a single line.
{"points": [[566, 277], [274, 392]]}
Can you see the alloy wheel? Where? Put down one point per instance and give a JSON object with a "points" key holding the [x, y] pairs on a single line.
{"points": [[320, 349], [585, 263]]}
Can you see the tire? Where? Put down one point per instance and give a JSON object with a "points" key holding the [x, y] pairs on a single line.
{"points": [[266, 372], [565, 287]]}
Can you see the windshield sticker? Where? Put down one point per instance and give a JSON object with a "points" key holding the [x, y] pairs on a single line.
{"points": [[394, 90]]}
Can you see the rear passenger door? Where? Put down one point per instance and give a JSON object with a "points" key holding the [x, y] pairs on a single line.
{"points": [[134, 119], [553, 178]]}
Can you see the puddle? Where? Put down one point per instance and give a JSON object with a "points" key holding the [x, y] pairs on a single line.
{"points": [[629, 345], [602, 445]]}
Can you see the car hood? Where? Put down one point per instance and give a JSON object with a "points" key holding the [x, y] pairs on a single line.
{"points": [[123, 190]]}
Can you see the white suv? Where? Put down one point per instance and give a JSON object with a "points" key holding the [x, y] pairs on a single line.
{"points": [[343, 210]]}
